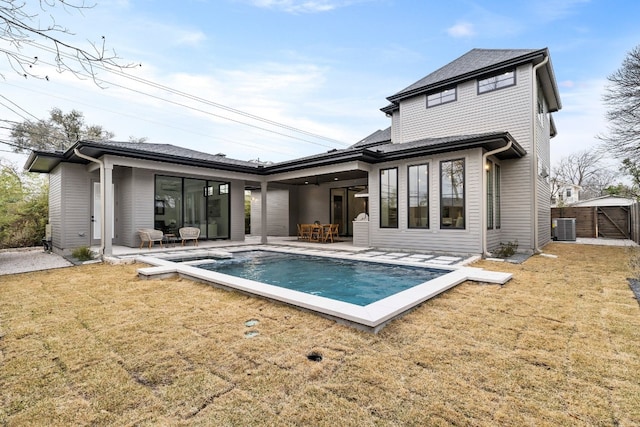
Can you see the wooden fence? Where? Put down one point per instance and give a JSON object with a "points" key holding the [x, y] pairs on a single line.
{"points": [[612, 222]]}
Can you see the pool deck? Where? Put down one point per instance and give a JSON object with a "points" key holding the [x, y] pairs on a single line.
{"points": [[372, 317]]}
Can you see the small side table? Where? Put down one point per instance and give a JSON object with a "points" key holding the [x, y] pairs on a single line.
{"points": [[171, 239]]}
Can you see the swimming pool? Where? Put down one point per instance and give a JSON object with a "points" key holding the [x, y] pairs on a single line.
{"points": [[355, 282], [370, 317]]}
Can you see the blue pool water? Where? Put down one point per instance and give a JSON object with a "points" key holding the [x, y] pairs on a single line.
{"points": [[355, 282]]}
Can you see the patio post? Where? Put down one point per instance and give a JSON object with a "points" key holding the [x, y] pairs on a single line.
{"points": [[263, 212], [108, 209]]}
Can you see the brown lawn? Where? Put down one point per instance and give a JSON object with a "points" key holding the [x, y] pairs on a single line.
{"points": [[558, 345]]}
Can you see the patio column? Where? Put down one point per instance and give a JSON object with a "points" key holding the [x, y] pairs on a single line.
{"points": [[263, 212], [108, 209]]}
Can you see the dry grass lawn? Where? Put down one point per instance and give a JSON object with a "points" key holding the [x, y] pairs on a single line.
{"points": [[558, 345]]}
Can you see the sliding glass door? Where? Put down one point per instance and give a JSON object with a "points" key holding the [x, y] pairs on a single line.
{"points": [[188, 202]]}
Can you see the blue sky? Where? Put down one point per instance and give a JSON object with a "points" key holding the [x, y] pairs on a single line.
{"points": [[321, 66]]}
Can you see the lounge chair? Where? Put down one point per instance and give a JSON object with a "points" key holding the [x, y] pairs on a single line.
{"points": [[189, 233], [150, 235]]}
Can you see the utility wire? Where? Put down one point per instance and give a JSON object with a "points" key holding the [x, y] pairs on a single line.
{"points": [[217, 138], [201, 100], [20, 107]]}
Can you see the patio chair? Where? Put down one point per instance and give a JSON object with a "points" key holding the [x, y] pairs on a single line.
{"points": [[149, 235], [331, 233], [315, 232], [189, 233], [304, 231]]}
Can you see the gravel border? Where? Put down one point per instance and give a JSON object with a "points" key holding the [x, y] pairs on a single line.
{"points": [[23, 260]]}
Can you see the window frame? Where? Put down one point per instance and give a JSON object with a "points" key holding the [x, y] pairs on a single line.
{"points": [[490, 195], [389, 199], [496, 81], [409, 196], [441, 97], [498, 187], [461, 210]]}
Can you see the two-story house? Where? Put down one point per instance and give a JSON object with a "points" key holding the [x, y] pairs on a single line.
{"points": [[563, 194], [463, 167]]}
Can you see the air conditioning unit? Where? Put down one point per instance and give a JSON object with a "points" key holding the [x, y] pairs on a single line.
{"points": [[565, 229]]}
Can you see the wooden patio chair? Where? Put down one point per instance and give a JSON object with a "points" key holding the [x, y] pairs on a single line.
{"points": [[304, 231], [189, 233], [149, 235], [315, 234], [331, 233]]}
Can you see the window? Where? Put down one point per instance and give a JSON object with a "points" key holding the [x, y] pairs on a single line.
{"points": [[223, 188], [448, 95], [497, 186], [493, 195], [490, 195], [498, 81], [568, 193], [452, 194], [419, 196], [389, 198]]}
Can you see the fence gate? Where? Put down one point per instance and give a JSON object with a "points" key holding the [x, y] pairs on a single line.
{"points": [[613, 222]]}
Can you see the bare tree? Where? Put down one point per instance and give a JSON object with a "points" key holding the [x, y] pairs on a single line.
{"points": [[585, 169], [623, 101], [21, 30]]}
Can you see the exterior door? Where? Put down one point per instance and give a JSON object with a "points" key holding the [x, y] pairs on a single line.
{"points": [[339, 209], [96, 214]]}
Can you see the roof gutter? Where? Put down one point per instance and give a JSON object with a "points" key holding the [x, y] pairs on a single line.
{"points": [[534, 145], [483, 226], [102, 196]]}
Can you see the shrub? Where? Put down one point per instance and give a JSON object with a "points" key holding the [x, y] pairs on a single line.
{"points": [[83, 253], [507, 249]]}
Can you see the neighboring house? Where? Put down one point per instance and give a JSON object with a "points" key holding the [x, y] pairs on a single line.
{"points": [[566, 194], [462, 168]]}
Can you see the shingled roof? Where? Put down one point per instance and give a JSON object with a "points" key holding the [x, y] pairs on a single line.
{"points": [[472, 64]]}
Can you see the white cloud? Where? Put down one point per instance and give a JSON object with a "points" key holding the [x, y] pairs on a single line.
{"points": [[553, 10], [302, 6], [461, 29], [191, 38]]}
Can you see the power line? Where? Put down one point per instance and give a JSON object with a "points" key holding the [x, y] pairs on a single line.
{"points": [[201, 100], [165, 124], [19, 107]]}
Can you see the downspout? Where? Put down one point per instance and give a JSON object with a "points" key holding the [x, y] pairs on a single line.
{"points": [[485, 156], [534, 150], [102, 195]]}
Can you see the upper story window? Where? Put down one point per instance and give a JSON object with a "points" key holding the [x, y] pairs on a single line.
{"points": [[497, 81], [448, 95]]}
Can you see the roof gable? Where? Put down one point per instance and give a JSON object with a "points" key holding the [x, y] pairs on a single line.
{"points": [[472, 64]]}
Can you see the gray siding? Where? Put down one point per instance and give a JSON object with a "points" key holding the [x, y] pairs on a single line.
{"points": [[74, 189], [55, 206], [507, 109], [434, 238], [277, 212], [236, 198], [123, 201]]}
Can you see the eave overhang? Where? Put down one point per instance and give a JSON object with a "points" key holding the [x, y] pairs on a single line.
{"points": [[45, 162]]}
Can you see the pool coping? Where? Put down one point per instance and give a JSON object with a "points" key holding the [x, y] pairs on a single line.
{"points": [[372, 317]]}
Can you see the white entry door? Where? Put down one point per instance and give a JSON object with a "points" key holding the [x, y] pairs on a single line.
{"points": [[96, 215]]}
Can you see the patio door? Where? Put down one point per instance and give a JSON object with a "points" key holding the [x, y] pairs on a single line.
{"points": [[345, 207], [96, 214], [339, 209]]}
